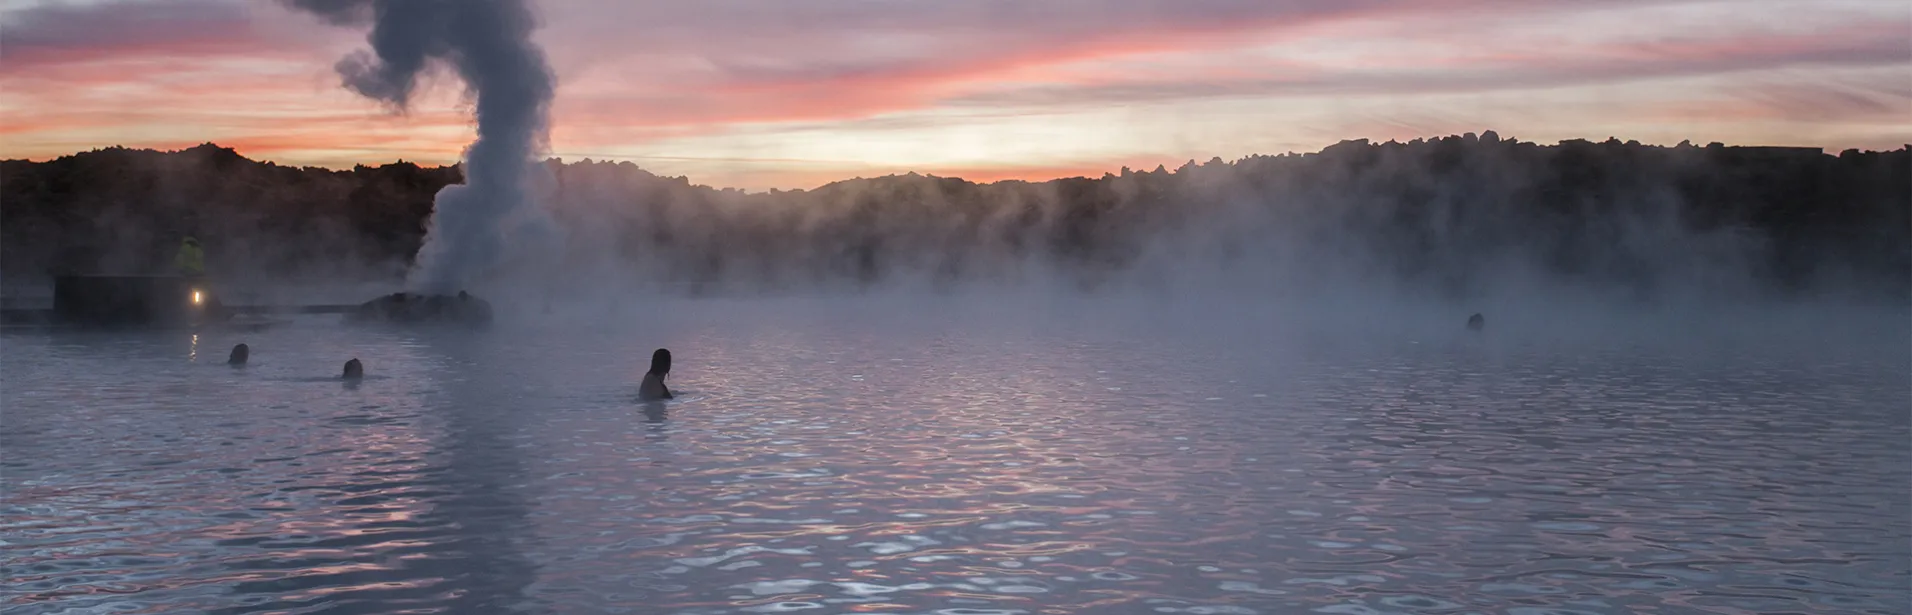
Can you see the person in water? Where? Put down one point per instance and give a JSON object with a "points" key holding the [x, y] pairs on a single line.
{"points": [[653, 387], [239, 355], [354, 370], [1476, 322]]}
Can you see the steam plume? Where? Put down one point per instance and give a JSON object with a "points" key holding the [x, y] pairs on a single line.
{"points": [[489, 43]]}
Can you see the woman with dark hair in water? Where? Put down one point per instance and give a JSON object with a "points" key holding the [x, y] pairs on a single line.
{"points": [[653, 387], [239, 355], [354, 370]]}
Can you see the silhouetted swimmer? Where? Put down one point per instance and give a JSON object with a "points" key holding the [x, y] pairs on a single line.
{"points": [[653, 387], [1476, 322], [239, 355], [354, 370]]}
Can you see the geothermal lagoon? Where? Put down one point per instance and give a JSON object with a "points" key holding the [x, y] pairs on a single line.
{"points": [[860, 457]]}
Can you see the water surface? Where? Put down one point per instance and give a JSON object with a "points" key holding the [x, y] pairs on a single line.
{"points": [[833, 462]]}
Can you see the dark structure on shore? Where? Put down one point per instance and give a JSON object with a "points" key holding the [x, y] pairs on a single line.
{"points": [[131, 300], [407, 308]]}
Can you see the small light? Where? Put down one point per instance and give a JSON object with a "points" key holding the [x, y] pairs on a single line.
{"points": [[196, 298]]}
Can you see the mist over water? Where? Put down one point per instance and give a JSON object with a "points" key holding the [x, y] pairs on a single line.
{"points": [[1476, 220], [1617, 236]]}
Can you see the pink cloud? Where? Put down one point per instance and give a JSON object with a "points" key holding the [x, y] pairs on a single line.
{"points": [[743, 90], [1859, 45]]}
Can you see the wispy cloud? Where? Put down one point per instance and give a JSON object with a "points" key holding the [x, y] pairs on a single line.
{"points": [[1832, 99], [67, 33]]}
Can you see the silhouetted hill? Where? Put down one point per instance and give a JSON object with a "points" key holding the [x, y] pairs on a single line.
{"points": [[1448, 215], [124, 210]]}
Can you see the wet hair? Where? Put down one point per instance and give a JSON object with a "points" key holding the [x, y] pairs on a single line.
{"points": [[1476, 321], [661, 362], [354, 369], [239, 355]]}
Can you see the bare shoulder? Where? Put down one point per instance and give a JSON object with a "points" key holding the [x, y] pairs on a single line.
{"points": [[653, 388]]}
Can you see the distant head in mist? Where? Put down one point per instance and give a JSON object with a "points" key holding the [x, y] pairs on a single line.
{"points": [[489, 43], [239, 355], [1476, 322], [353, 370], [653, 387]]}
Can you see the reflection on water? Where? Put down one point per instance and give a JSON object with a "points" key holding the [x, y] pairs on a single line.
{"points": [[957, 470]]}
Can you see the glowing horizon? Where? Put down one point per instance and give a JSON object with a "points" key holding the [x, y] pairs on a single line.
{"points": [[757, 95]]}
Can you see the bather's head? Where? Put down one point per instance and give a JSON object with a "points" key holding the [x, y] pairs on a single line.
{"points": [[354, 369], [661, 362], [1476, 321], [239, 355]]}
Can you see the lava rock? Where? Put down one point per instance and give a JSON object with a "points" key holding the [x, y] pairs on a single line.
{"points": [[409, 308]]}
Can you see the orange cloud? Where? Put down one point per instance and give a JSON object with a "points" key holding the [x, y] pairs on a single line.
{"points": [[809, 174]]}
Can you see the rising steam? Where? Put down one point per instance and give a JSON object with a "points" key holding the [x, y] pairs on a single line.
{"points": [[489, 43]]}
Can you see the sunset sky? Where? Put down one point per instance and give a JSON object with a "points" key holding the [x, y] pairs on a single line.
{"points": [[795, 93]]}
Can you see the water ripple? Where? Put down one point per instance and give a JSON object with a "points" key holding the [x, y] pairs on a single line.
{"points": [[968, 471]]}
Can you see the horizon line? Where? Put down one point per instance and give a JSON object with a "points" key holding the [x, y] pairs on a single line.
{"points": [[1007, 174]]}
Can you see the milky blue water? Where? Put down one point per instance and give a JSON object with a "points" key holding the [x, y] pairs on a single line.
{"points": [[834, 462]]}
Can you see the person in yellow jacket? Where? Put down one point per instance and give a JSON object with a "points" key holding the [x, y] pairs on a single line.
{"points": [[191, 261]]}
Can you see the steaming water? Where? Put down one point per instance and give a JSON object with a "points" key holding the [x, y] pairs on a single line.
{"points": [[849, 463]]}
